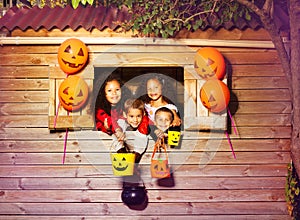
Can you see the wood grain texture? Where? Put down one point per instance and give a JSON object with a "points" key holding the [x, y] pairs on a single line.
{"points": [[208, 183]]}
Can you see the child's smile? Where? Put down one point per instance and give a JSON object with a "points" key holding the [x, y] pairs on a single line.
{"points": [[163, 120], [154, 89], [134, 117], [113, 92]]}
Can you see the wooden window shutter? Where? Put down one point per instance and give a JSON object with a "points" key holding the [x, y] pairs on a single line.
{"points": [[59, 118], [196, 116]]}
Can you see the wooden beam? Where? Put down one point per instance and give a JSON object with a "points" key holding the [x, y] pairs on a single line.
{"points": [[138, 41]]}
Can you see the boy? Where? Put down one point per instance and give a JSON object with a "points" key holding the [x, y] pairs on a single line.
{"points": [[163, 120], [135, 127]]}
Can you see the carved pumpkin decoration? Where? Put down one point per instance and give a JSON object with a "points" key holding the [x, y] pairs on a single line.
{"points": [[73, 93], [209, 63], [215, 95], [123, 163], [72, 55]]}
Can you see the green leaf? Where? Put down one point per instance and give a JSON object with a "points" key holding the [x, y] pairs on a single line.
{"points": [[128, 3], [297, 191], [164, 35], [83, 2], [248, 16], [90, 2], [195, 27], [234, 7], [75, 3], [188, 26], [159, 24], [135, 26], [170, 32]]}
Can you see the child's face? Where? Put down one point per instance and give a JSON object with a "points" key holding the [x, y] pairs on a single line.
{"points": [[154, 89], [113, 92], [134, 117], [163, 120]]}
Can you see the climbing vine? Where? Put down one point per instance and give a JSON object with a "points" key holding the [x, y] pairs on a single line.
{"points": [[292, 192], [164, 18]]}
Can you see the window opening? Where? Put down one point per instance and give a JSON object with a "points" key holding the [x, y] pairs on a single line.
{"points": [[132, 78]]}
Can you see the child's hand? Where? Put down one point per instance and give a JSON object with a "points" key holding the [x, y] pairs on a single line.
{"points": [[120, 134], [176, 121], [105, 124], [159, 133]]}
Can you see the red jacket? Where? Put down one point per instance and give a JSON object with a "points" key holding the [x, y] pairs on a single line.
{"points": [[112, 119], [144, 126]]}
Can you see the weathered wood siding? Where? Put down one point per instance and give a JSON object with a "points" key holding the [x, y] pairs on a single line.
{"points": [[209, 182]]}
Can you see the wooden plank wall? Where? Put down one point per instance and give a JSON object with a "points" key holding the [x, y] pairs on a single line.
{"points": [[209, 183]]}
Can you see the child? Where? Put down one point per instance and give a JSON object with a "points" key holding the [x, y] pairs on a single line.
{"points": [[162, 120], [137, 122], [162, 125], [155, 99], [109, 106]]}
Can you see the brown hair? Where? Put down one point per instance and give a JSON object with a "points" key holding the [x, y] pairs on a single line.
{"points": [[134, 103], [166, 110]]}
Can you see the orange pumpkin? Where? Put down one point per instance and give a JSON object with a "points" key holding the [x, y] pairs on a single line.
{"points": [[215, 95], [73, 93], [209, 63], [72, 55]]}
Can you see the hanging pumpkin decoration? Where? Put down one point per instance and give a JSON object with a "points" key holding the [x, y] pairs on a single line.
{"points": [[209, 63], [73, 93], [215, 95], [72, 55]]}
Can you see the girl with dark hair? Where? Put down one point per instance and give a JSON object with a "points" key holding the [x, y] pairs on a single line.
{"points": [[109, 106]]}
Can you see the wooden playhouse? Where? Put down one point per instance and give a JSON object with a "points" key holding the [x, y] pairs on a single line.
{"points": [[208, 182]]}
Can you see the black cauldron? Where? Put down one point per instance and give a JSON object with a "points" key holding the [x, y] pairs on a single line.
{"points": [[134, 195]]}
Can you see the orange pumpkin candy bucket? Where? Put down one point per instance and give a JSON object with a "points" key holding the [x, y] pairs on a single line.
{"points": [[159, 167]]}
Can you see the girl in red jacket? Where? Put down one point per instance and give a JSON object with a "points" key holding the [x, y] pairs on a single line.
{"points": [[109, 106]]}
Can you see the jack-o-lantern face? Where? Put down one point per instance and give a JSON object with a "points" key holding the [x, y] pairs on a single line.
{"points": [[209, 63], [160, 168], [215, 95], [72, 55], [73, 93], [173, 137], [123, 163]]}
